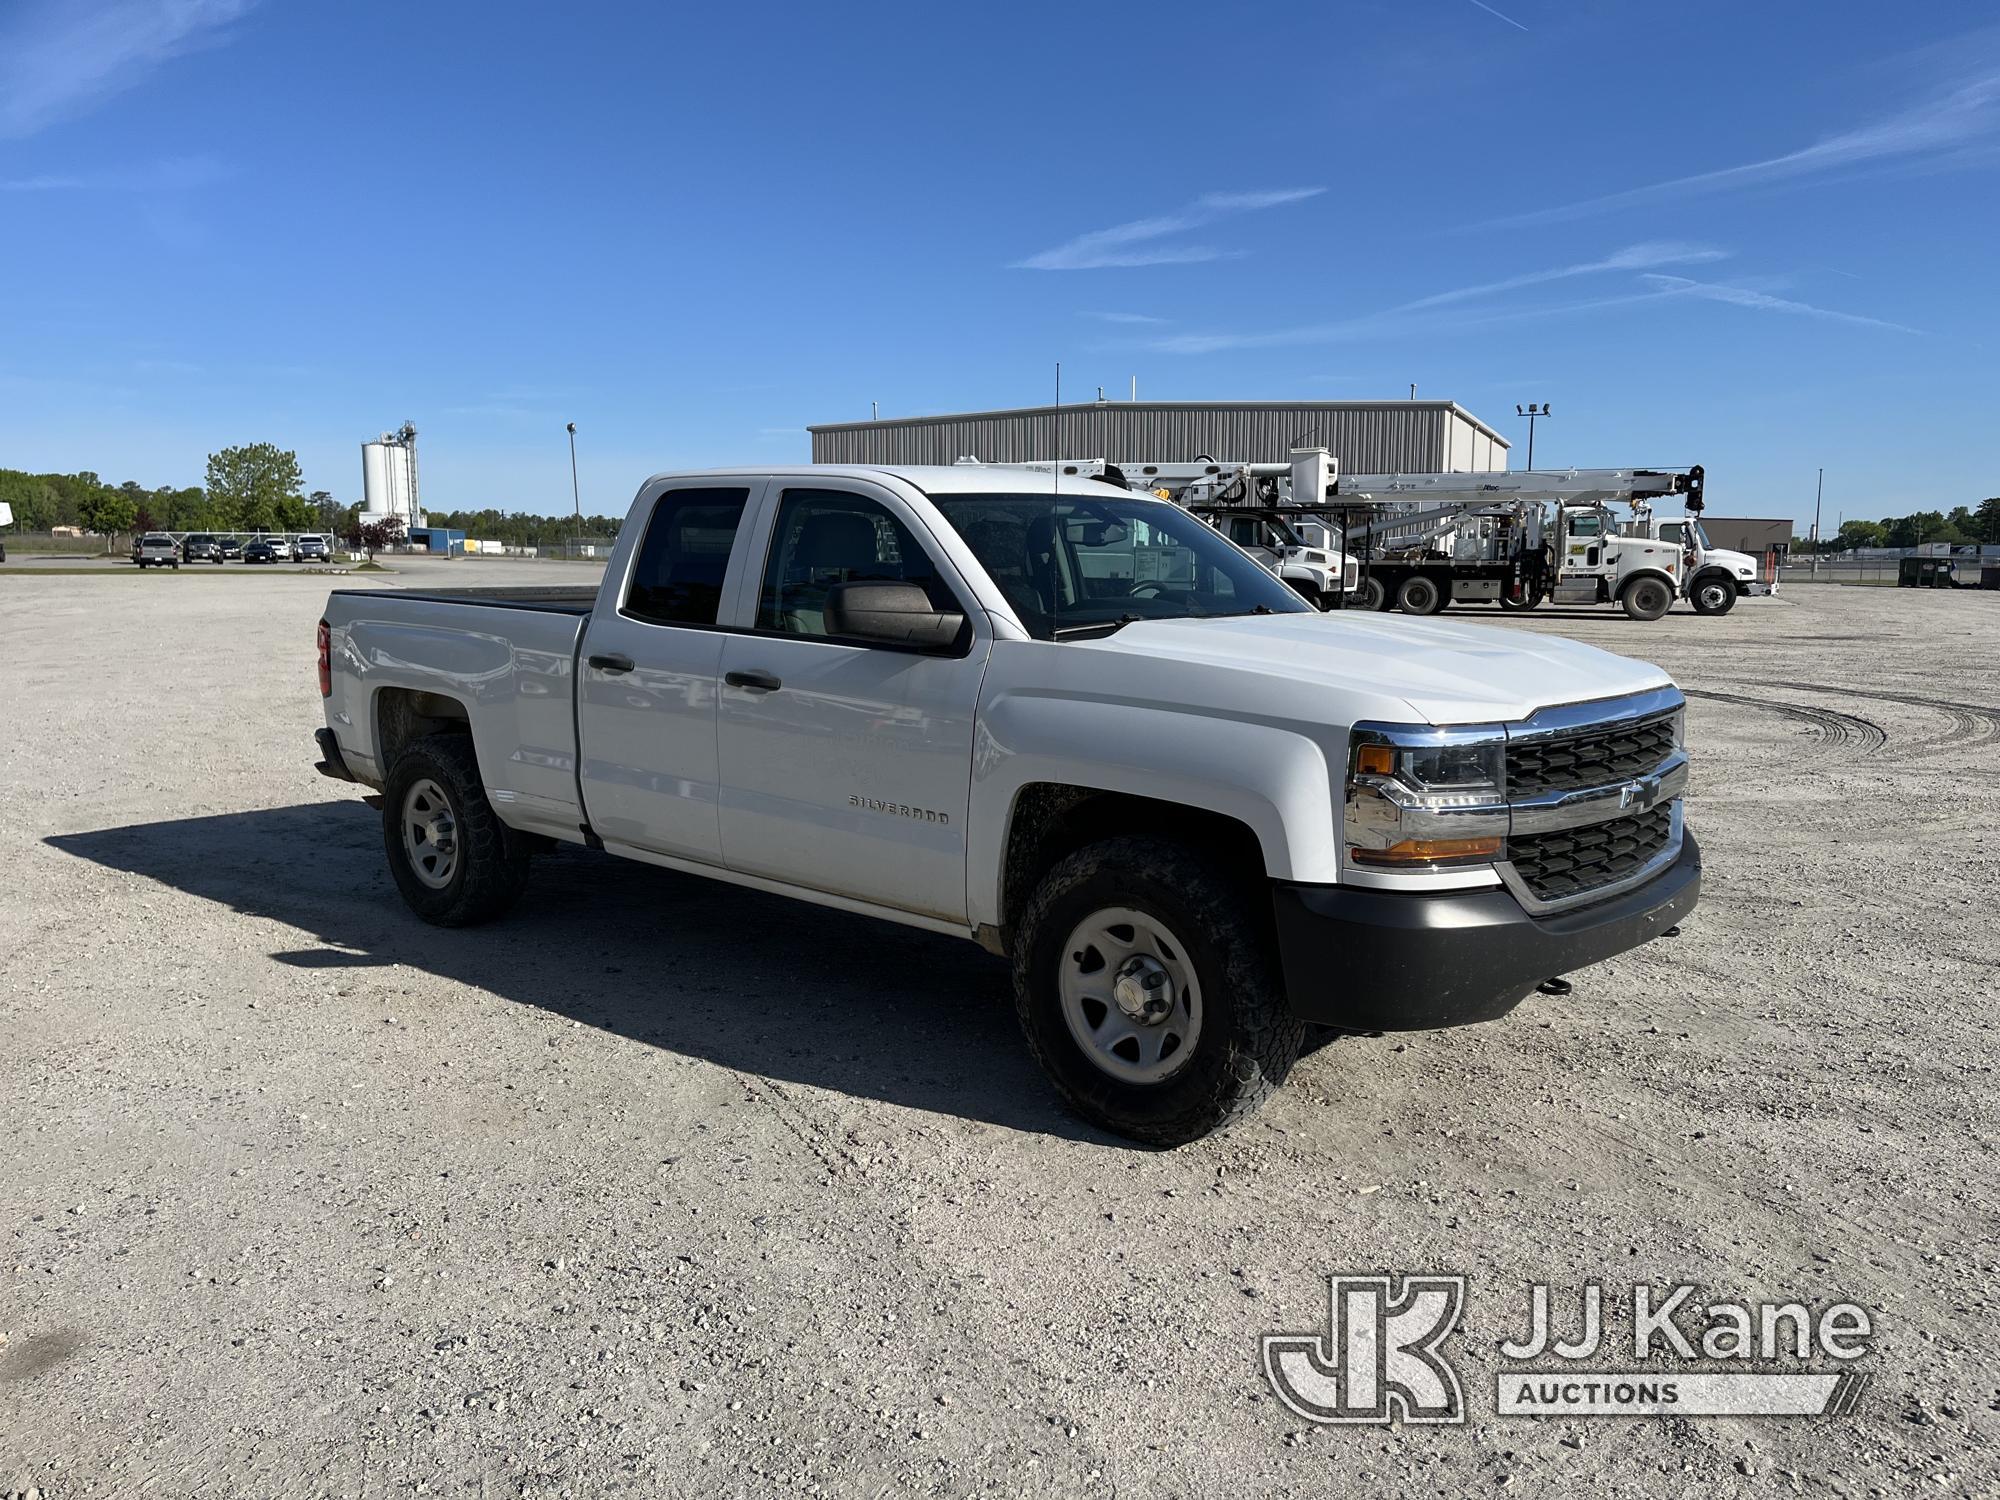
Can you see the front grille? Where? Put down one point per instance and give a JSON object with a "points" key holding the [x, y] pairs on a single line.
{"points": [[1599, 755], [1554, 866]]}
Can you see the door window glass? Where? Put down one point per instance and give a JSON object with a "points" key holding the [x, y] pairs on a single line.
{"points": [[678, 577], [826, 537]]}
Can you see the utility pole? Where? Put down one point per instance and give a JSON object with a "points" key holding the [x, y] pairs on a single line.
{"points": [[1531, 411], [1818, 495], [575, 494]]}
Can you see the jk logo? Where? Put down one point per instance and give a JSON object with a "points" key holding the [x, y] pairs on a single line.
{"points": [[1378, 1361]]}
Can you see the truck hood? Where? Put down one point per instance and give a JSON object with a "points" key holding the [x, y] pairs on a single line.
{"points": [[1742, 564], [1444, 673]]}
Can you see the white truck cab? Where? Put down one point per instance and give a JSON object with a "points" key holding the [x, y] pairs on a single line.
{"points": [[1062, 719]]}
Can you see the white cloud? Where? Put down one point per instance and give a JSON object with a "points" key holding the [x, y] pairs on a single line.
{"points": [[1492, 12], [62, 58], [1743, 296], [1135, 243], [1412, 316], [173, 174], [1948, 122]]}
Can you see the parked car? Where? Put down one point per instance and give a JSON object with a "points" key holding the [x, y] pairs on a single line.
{"points": [[157, 550], [260, 551], [228, 546], [313, 549], [198, 546], [1073, 724]]}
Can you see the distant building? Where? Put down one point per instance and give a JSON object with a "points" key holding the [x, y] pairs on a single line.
{"points": [[1751, 534], [1365, 437]]}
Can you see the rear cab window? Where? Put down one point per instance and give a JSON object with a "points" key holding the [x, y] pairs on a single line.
{"points": [[684, 556]]}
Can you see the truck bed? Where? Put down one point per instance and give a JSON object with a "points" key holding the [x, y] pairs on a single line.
{"points": [[550, 598]]}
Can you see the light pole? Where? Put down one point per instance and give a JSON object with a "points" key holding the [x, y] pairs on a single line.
{"points": [[1531, 411], [1818, 495], [575, 495]]}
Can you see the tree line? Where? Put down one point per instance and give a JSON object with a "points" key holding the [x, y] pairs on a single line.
{"points": [[256, 487], [1965, 525]]}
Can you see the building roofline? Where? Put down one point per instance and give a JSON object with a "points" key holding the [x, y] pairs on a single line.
{"points": [[882, 423]]}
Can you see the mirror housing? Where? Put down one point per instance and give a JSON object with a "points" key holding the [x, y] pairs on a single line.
{"points": [[894, 614]]}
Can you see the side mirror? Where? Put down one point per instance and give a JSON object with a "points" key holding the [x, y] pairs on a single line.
{"points": [[896, 614]]}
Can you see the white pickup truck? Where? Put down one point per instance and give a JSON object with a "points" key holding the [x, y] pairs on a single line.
{"points": [[1069, 722]]}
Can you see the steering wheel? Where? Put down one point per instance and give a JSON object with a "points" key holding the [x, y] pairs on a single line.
{"points": [[1138, 590]]}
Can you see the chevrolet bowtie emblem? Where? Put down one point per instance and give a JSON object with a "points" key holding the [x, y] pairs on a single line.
{"points": [[1641, 794]]}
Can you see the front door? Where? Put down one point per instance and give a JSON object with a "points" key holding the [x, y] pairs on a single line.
{"points": [[847, 767], [646, 687]]}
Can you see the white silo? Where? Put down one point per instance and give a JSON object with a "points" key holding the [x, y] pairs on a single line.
{"points": [[389, 477]]}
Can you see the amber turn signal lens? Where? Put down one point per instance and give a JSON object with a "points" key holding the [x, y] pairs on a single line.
{"points": [[1375, 760], [1427, 852]]}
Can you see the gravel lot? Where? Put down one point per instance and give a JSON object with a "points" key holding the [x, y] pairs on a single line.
{"points": [[663, 1187]]}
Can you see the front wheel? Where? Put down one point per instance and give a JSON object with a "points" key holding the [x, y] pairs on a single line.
{"points": [[1528, 600], [1713, 594], [1646, 598], [1145, 980], [453, 859]]}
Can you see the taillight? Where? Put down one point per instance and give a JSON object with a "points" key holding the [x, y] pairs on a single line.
{"points": [[325, 661]]}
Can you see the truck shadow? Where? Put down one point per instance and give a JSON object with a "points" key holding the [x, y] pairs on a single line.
{"points": [[758, 983]]}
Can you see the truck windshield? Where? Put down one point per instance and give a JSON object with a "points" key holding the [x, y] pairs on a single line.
{"points": [[1074, 564]]}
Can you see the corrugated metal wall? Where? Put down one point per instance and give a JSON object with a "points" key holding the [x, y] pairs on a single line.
{"points": [[1412, 437]]}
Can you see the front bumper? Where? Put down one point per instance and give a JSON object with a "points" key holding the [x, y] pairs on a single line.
{"points": [[1388, 961], [1755, 589]]}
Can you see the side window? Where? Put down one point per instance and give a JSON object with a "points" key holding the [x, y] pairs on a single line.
{"points": [[825, 537], [1670, 531], [1585, 524], [678, 577]]}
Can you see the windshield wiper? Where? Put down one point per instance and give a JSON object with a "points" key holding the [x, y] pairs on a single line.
{"points": [[1097, 627]]}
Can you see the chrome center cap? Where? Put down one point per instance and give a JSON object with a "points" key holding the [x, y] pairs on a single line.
{"points": [[1144, 990]]}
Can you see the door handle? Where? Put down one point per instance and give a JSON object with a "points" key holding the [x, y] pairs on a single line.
{"points": [[611, 661], [757, 682]]}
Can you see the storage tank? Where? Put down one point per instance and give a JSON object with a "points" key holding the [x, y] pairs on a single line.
{"points": [[389, 477]]}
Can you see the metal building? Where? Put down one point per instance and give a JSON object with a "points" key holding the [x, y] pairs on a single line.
{"points": [[1366, 437]]}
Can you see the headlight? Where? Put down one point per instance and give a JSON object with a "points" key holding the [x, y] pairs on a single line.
{"points": [[1420, 798]]}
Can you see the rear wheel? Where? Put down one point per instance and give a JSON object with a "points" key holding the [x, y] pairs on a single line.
{"points": [[1646, 598], [1713, 594], [1373, 594], [1419, 596], [1145, 981], [1528, 600], [453, 859]]}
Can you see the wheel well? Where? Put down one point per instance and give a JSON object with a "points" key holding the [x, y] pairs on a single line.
{"points": [[403, 715], [1718, 572], [1052, 820]]}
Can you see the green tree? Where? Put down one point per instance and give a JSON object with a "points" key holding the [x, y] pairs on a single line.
{"points": [[326, 514], [1862, 534], [108, 512], [250, 483], [296, 514], [1985, 526]]}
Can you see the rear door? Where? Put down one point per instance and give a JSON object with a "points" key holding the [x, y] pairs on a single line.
{"points": [[847, 767], [646, 683]]}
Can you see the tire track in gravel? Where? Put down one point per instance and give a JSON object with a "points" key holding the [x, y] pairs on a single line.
{"points": [[1833, 731], [1971, 724]]}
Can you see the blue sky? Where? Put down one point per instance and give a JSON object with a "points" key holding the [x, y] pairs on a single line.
{"points": [[1757, 237]]}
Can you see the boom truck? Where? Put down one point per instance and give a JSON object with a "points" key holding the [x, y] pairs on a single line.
{"points": [[1419, 542]]}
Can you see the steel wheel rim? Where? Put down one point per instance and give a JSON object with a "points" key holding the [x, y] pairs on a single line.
{"points": [[1119, 966], [430, 834], [1711, 595]]}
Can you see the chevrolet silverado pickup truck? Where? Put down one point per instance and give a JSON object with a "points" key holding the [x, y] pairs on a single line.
{"points": [[1069, 722]]}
